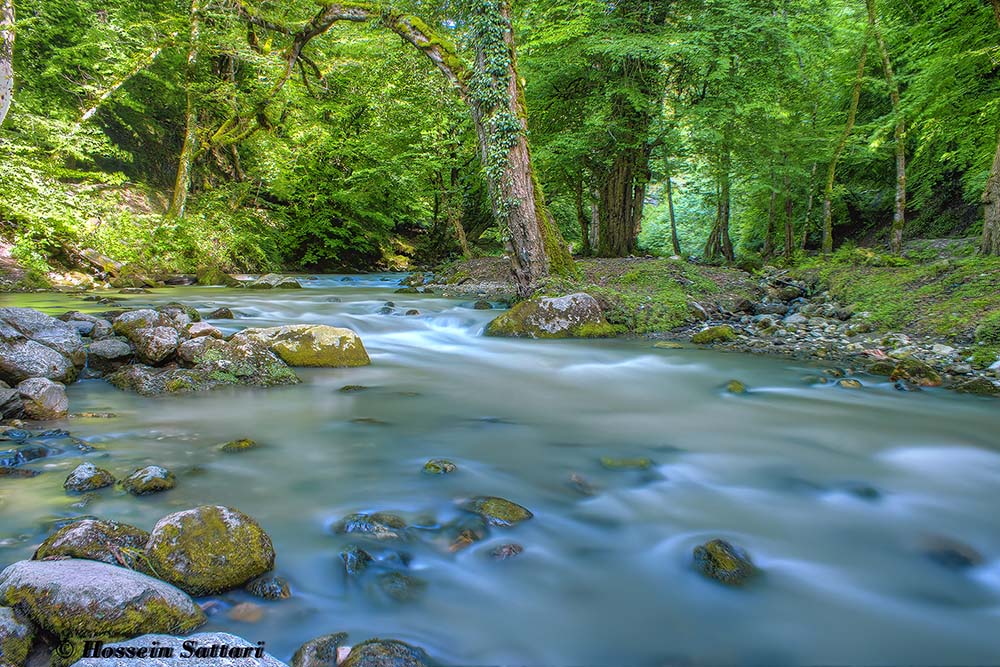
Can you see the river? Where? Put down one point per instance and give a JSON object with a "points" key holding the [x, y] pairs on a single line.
{"points": [[834, 492]]}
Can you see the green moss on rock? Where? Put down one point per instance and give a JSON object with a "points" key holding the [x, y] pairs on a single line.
{"points": [[386, 653], [724, 562], [311, 345], [573, 316], [235, 446], [720, 334], [93, 539], [917, 372], [611, 463], [497, 511]]}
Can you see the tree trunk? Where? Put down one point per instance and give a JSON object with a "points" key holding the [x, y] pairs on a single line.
{"points": [[807, 223], [622, 193], [453, 209], [771, 218], [673, 221], [582, 217], [991, 211], [899, 213], [831, 173], [719, 243], [6, 57], [789, 208], [182, 183]]}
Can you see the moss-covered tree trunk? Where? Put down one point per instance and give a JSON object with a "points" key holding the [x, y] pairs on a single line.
{"points": [[185, 163], [675, 242], [991, 211], [582, 216], [622, 192], [771, 230], [719, 243], [6, 57], [789, 227]]}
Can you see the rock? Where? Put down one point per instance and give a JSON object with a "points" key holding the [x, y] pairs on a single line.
{"points": [[882, 367], [848, 383], [235, 446], [180, 314], [16, 637], [88, 477], [94, 539], [319, 652], [151, 479], [796, 319], [572, 316], [209, 549], [400, 587], [229, 651], [942, 350], [43, 399], [482, 305], [351, 388], [497, 511], [917, 372], [378, 525], [668, 345], [611, 463], [222, 314], [386, 653], [24, 359], [406, 290], [736, 387], [978, 385], [155, 344], [724, 562], [108, 354], [27, 323], [10, 403], [439, 467], [274, 281], [134, 290], [412, 311], [199, 329], [246, 612], [505, 551], [84, 598], [216, 276], [950, 553], [269, 587], [356, 560], [719, 334], [311, 345], [82, 327], [128, 323]]}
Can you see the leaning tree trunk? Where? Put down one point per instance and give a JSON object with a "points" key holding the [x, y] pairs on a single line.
{"points": [[6, 57], [675, 242], [831, 173], [182, 183], [991, 212]]}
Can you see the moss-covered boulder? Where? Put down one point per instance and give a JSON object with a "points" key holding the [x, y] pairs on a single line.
{"points": [[719, 334], [150, 479], [132, 321], [917, 372], [311, 344], [87, 599], [16, 637], [88, 477], [386, 653], [320, 652], [275, 281], [155, 345], [439, 467], [236, 446], [571, 316], [849, 383], [213, 275], [94, 539], [724, 562], [209, 549], [736, 387], [978, 385], [378, 525], [882, 367], [497, 511]]}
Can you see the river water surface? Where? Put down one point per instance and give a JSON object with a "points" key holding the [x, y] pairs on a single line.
{"points": [[789, 471]]}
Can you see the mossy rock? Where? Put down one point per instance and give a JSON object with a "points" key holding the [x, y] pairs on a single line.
{"points": [[611, 463], [16, 637], [94, 539], [216, 276], [848, 383], [497, 511], [356, 560], [87, 599], [88, 477], [386, 653], [236, 446], [400, 587], [151, 479], [668, 345], [319, 652], [736, 387], [719, 334], [439, 467], [724, 562], [378, 525], [311, 345], [979, 385], [406, 290], [175, 308], [209, 549], [882, 367], [572, 316], [269, 587], [917, 372]]}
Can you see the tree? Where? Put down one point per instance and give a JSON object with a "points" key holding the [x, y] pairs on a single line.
{"points": [[6, 57], [189, 144], [990, 244]]}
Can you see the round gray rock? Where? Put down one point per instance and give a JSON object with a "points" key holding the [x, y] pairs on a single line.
{"points": [[88, 477], [43, 399], [151, 479]]}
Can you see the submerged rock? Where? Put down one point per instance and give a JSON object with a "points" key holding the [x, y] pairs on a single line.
{"points": [[88, 477], [311, 344], [222, 314], [505, 551], [951, 553], [482, 305], [151, 479], [848, 383], [439, 467], [497, 511], [319, 652], [94, 539], [401, 587], [43, 399], [724, 562], [269, 587], [209, 549], [386, 653], [83, 598], [241, 445], [378, 525], [356, 560], [275, 281], [16, 637], [736, 387], [917, 372], [572, 316], [640, 463], [720, 334]]}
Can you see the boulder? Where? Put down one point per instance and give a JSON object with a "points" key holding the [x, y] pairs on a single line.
{"points": [[33, 344], [497, 511], [131, 321], [222, 314], [275, 281], [88, 477], [108, 354], [10, 403], [16, 636], [310, 344], [199, 329], [720, 334], [320, 652], [180, 314], [269, 587], [724, 562], [386, 653], [209, 549], [41, 328], [84, 598], [151, 479], [978, 385], [154, 345], [378, 525], [917, 372], [216, 276], [94, 539], [43, 399], [571, 316], [209, 649]]}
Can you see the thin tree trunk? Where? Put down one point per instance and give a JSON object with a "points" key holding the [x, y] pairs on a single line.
{"points": [[991, 211], [831, 173], [582, 217], [673, 220], [789, 229], [899, 213], [807, 223], [182, 183], [453, 209], [6, 57], [771, 218]]}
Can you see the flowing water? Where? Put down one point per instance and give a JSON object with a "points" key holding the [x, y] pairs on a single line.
{"points": [[605, 579]]}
